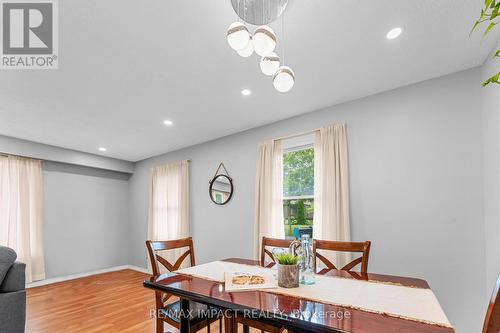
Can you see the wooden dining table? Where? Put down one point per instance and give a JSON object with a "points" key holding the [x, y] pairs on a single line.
{"points": [[293, 313]]}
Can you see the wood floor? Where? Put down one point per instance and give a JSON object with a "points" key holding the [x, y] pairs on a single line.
{"points": [[110, 302]]}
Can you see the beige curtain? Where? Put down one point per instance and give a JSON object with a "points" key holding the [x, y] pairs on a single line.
{"points": [[268, 193], [331, 188], [21, 212], [169, 204]]}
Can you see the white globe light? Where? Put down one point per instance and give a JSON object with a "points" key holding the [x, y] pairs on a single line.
{"points": [[264, 40], [270, 63], [247, 51], [238, 36], [284, 79]]}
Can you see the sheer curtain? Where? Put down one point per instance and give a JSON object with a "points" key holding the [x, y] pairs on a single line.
{"points": [[21, 212], [268, 193], [169, 204], [331, 188]]}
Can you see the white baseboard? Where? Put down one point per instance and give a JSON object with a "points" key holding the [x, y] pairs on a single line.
{"points": [[81, 275], [139, 269]]}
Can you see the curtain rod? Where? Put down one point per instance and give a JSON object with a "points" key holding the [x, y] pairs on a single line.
{"points": [[7, 155], [300, 134], [297, 134]]}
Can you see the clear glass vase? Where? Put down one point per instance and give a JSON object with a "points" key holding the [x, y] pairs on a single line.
{"points": [[306, 261]]}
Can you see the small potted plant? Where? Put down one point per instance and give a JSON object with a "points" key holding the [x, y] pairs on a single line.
{"points": [[288, 270]]}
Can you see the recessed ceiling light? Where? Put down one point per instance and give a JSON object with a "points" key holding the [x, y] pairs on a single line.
{"points": [[246, 92], [102, 149], [168, 122], [394, 33]]}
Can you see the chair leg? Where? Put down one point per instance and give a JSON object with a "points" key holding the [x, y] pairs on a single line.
{"points": [[230, 325], [159, 325], [208, 320], [185, 322]]}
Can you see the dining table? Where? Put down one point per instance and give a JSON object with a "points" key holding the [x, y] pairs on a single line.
{"points": [[353, 307]]}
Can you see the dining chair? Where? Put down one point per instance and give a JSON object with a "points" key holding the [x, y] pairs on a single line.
{"points": [[271, 242], [362, 247], [168, 310], [492, 319]]}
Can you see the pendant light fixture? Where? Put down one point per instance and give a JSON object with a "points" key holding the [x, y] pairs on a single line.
{"points": [[284, 78], [247, 51], [269, 64], [238, 36], [264, 41]]}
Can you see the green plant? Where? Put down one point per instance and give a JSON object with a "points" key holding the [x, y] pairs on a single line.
{"points": [[287, 259], [298, 172], [301, 214], [490, 14]]}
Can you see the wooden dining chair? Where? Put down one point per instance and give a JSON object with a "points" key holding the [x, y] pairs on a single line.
{"points": [[492, 319], [167, 310], [271, 242], [362, 247]]}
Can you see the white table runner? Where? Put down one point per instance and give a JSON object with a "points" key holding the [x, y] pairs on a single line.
{"points": [[398, 301]]}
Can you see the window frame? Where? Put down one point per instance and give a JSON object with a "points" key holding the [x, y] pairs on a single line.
{"points": [[293, 144], [302, 144]]}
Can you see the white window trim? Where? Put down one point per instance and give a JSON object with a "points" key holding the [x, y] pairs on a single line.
{"points": [[298, 197], [298, 143]]}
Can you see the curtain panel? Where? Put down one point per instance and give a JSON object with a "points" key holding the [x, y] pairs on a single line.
{"points": [[169, 204], [331, 189], [268, 193], [21, 212]]}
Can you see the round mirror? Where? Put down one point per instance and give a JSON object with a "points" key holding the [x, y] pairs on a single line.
{"points": [[221, 189]]}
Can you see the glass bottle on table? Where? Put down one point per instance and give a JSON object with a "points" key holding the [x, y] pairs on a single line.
{"points": [[307, 261]]}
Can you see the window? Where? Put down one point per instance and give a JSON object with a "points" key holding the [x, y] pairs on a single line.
{"points": [[298, 189], [169, 201], [218, 197]]}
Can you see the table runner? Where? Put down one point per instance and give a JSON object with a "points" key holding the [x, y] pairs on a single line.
{"points": [[409, 303]]}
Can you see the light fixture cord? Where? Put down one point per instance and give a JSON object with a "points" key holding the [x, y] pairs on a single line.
{"points": [[283, 33], [269, 10]]}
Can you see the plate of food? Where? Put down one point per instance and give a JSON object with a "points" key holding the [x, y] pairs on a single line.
{"points": [[240, 281]]}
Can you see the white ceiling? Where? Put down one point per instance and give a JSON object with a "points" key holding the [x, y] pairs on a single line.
{"points": [[125, 66]]}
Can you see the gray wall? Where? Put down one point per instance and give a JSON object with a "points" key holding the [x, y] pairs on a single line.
{"points": [[14, 146], [85, 219], [416, 167], [491, 140], [85, 207]]}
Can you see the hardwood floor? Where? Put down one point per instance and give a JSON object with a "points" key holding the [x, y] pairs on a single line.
{"points": [[110, 302]]}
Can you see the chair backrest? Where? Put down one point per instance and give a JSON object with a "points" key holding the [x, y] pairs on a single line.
{"points": [[156, 246], [271, 242], [363, 247], [492, 319]]}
